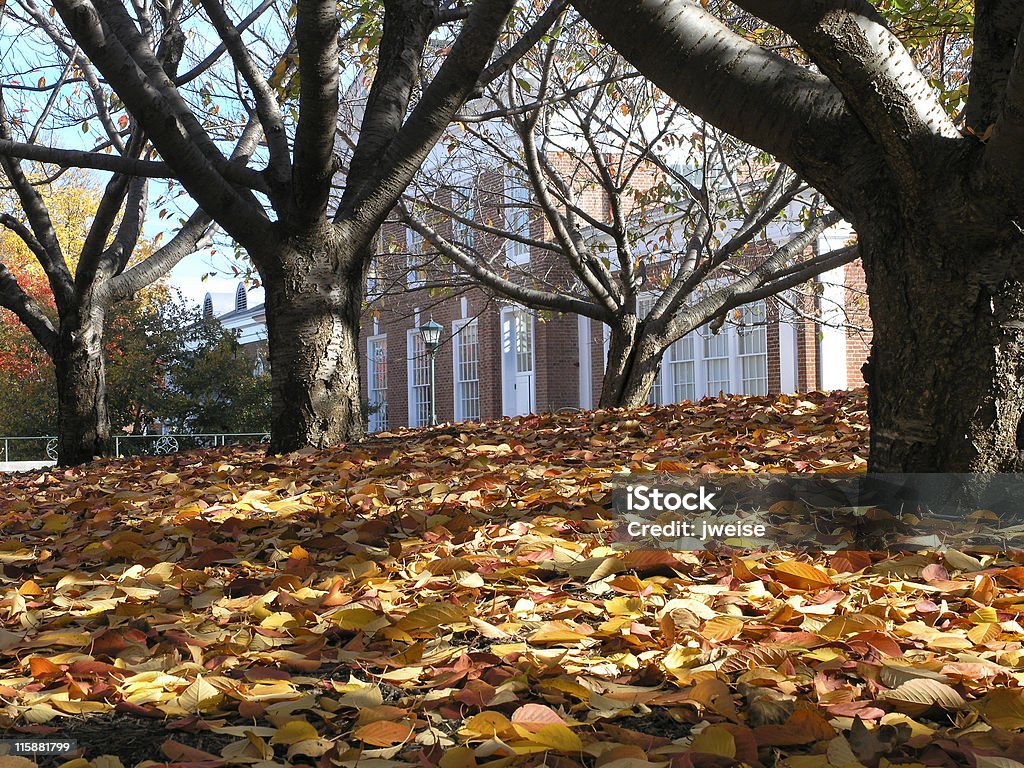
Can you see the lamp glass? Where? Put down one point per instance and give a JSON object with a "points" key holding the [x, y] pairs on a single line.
{"points": [[431, 332]]}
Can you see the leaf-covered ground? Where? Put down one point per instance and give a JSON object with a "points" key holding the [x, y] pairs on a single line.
{"points": [[460, 597]]}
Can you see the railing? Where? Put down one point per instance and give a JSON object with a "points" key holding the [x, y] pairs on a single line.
{"points": [[42, 447]]}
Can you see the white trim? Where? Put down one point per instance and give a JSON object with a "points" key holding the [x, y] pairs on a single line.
{"points": [[459, 405], [414, 262], [832, 330], [586, 377], [410, 346], [517, 253], [509, 364], [375, 421]]}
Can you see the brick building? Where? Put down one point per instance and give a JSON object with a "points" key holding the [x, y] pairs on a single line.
{"points": [[497, 358]]}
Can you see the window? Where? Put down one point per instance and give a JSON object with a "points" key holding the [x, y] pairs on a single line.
{"points": [[517, 219], [207, 307], [682, 369], [467, 370], [716, 361], [464, 234], [377, 383], [702, 363], [241, 298], [524, 341], [752, 349], [416, 246], [419, 381], [373, 283]]}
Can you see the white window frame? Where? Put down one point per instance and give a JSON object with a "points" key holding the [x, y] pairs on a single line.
{"points": [[462, 413], [517, 219], [663, 392], [415, 245], [464, 235], [417, 408], [377, 422], [759, 326]]}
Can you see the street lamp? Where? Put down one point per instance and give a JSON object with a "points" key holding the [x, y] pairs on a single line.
{"points": [[430, 332]]}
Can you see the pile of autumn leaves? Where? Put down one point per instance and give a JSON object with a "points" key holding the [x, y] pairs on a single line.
{"points": [[464, 598]]}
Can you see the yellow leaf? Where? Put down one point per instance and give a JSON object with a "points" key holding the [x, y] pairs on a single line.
{"points": [[554, 736], [722, 628], [983, 633], [432, 616], [383, 733], [487, 725], [624, 606], [168, 478], [714, 740], [294, 732], [986, 615], [200, 696], [459, 757], [798, 575], [556, 632]]}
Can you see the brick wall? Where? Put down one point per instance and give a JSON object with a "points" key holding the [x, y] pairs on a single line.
{"points": [[858, 335]]}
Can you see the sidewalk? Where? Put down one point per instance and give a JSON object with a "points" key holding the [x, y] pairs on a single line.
{"points": [[23, 466]]}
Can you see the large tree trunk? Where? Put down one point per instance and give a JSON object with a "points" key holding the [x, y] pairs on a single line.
{"points": [[83, 424], [313, 308], [633, 361], [946, 373]]}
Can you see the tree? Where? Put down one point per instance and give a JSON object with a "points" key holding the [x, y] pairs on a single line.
{"points": [[211, 387], [104, 266], [311, 259], [936, 206], [656, 223], [169, 365], [165, 365]]}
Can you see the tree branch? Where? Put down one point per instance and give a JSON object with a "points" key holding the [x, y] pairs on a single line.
{"points": [[210, 59], [850, 43], [531, 297], [756, 95], [48, 252], [266, 101], [455, 81], [996, 26], [14, 298], [114, 45], [530, 38], [316, 37], [794, 276]]}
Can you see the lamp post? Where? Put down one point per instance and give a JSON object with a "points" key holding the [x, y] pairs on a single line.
{"points": [[430, 332]]}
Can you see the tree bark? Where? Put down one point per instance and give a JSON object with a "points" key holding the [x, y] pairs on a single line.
{"points": [[946, 372], [83, 422], [633, 361], [313, 306]]}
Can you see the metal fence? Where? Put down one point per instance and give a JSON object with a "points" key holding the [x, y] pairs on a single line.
{"points": [[43, 447]]}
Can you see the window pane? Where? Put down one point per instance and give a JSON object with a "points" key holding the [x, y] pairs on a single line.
{"points": [[378, 378], [716, 362], [467, 372], [419, 386], [752, 336], [524, 342]]}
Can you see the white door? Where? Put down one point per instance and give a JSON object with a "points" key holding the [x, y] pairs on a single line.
{"points": [[517, 362]]}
